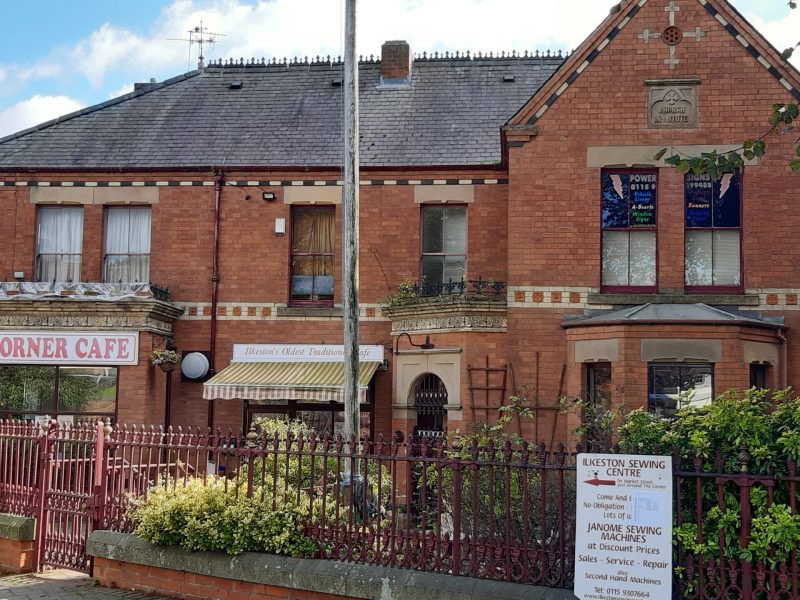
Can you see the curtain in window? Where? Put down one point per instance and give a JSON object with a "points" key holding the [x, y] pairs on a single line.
{"points": [[712, 257], [629, 258], [127, 245], [59, 236], [313, 241]]}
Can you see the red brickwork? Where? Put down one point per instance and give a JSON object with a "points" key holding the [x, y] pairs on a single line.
{"points": [[16, 556], [191, 586], [554, 198]]}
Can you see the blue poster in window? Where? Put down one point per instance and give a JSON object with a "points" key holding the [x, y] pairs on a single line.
{"points": [[698, 194], [727, 192], [628, 200], [643, 199], [712, 203], [615, 194]]}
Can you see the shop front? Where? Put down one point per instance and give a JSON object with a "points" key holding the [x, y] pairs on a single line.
{"points": [[67, 375], [297, 381]]}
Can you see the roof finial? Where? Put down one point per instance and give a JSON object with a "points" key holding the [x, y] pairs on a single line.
{"points": [[199, 35]]}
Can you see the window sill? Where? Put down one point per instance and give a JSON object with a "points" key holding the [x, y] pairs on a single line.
{"points": [[309, 311], [675, 298]]}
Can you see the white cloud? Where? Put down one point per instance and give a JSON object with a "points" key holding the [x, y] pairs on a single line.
{"points": [[35, 110], [281, 28], [126, 88]]}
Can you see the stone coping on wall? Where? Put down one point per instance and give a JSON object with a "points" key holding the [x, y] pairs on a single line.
{"points": [[316, 576], [13, 527]]}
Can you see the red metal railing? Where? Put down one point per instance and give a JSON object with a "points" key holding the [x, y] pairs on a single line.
{"points": [[19, 467], [497, 512]]}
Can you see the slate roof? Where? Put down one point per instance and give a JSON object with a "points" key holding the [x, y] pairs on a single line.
{"points": [[674, 314], [290, 114]]}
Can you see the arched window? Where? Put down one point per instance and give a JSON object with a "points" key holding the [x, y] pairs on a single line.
{"points": [[430, 400]]}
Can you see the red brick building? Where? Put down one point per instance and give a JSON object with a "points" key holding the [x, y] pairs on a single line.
{"points": [[556, 256]]}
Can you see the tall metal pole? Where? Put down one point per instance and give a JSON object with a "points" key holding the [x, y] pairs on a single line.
{"points": [[350, 225]]}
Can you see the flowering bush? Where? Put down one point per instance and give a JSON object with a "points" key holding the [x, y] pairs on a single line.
{"points": [[213, 516], [164, 357]]}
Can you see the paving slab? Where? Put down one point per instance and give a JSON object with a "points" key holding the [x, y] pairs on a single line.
{"points": [[62, 585]]}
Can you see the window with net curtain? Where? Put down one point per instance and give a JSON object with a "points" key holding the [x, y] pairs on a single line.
{"points": [[312, 258], [127, 251], [59, 235], [444, 246], [712, 237], [628, 222]]}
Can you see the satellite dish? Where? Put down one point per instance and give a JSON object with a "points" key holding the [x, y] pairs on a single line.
{"points": [[194, 365]]}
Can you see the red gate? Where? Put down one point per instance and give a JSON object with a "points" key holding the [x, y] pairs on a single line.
{"points": [[70, 493]]}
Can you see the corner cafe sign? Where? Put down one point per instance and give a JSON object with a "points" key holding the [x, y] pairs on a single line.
{"points": [[46, 347]]}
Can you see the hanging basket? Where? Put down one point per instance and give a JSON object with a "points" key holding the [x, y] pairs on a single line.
{"points": [[167, 367]]}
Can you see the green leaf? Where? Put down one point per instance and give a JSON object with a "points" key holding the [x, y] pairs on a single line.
{"points": [[793, 110], [794, 165]]}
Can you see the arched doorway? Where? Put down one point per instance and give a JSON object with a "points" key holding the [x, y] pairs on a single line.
{"points": [[430, 401]]}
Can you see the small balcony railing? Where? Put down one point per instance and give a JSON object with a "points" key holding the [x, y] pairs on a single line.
{"points": [[411, 292]]}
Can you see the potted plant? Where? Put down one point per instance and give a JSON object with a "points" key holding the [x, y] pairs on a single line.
{"points": [[165, 359]]}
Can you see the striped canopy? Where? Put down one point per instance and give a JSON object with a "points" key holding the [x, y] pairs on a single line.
{"points": [[306, 381]]}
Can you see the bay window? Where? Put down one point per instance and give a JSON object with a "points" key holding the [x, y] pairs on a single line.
{"points": [[675, 386], [127, 245], [628, 222], [312, 260], [59, 235], [713, 235]]}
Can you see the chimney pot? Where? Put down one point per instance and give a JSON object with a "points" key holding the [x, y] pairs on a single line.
{"points": [[395, 61]]}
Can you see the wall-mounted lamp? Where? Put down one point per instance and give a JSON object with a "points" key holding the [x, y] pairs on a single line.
{"points": [[426, 345], [280, 226], [268, 196]]}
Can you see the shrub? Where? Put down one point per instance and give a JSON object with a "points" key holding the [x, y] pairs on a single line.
{"points": [[216, 515], [756, 433], [307, 470]]}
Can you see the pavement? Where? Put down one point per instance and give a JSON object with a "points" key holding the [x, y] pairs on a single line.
{"points": [[62, 585]]}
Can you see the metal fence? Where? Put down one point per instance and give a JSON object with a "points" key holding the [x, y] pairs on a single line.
{"points": [[503, 512]]}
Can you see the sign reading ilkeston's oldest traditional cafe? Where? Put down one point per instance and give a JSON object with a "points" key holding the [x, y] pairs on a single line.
{"points": [[623, 538], [46, 347], [301, 353]]}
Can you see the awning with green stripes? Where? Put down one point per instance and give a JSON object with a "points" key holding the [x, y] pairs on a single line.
{"points": [[306, 381]]}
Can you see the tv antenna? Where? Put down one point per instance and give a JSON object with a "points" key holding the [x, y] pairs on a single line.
{"points": [[199, 35]]}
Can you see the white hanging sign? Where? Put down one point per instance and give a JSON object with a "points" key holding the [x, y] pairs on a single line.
{"points": [[623, 537]]}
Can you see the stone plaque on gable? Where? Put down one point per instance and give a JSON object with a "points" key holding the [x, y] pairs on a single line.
{"points": [[671, 105]]}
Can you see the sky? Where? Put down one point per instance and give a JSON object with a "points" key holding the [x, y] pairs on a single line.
{"points": [[57, 56]]}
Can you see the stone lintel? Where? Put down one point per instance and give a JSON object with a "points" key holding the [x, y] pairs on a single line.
{"points": [[711, 299], [147, 314], [13, 527], [450, 315]]}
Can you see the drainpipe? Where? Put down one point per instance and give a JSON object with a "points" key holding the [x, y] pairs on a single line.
{"points": [[219, 181], [784, 354]]}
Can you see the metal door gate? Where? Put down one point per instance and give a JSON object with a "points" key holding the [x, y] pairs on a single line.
{"points": [[71, 476]]}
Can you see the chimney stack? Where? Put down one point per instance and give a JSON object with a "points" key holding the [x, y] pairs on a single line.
{"points": [[395, 62]]}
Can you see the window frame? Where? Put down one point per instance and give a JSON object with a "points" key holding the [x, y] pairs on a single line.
{"points": [[54, 413], [149, 254], [422, 254], [310, 303], [679, 365], [628, 289], [716, 289], [37, 255]]}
